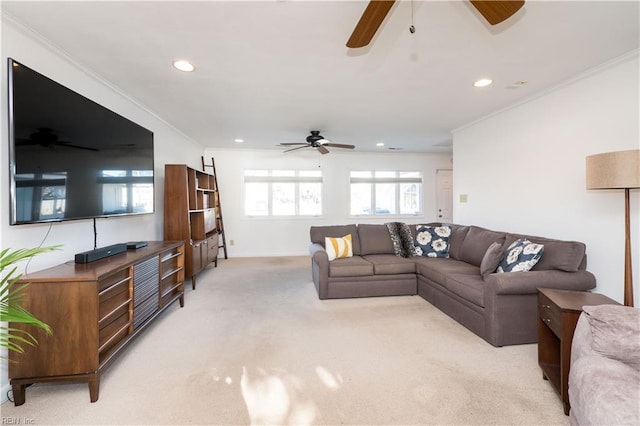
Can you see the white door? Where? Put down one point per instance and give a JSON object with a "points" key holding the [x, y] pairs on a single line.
{"points": [[444, 189]]}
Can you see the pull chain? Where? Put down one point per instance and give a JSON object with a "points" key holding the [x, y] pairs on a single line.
{"points": [[412, 29]]}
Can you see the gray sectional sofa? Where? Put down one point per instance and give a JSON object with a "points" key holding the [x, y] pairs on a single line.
{"points": [[499, 307]]}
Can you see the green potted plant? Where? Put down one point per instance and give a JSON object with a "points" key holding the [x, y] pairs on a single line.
{"points": [[11, 294]]}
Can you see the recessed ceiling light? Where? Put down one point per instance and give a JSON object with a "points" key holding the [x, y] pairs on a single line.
{"points": [[238, 140], [483, 82], [380, 144], [183, 65]]}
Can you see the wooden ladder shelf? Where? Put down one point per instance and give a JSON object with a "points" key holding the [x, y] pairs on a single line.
{"points": [[220, 222]]}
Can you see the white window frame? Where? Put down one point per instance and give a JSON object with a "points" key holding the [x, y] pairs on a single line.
{"points": [[397, 180], [269, 179]]}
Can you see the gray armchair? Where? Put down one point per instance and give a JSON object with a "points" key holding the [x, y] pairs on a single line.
{"points": [[604, 378]]}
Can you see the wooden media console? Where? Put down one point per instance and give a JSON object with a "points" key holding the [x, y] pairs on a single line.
{"points": [[95, 310]]}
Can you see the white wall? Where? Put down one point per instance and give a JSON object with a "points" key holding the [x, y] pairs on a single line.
{"points": [[281, 237], [77, 236], [524, 168]]}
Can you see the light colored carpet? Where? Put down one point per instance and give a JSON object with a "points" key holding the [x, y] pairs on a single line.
{"points": [[253, 344]]}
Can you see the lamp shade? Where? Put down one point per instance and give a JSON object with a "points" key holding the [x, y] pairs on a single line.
{"points": [[620, 169]]}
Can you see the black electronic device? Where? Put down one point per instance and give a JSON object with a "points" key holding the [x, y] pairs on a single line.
{"points": [[134, 245], [71, 158], [100, 253]]}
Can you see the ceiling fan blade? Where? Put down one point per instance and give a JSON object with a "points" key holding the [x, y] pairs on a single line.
{"points": [[339, 145], [369, 22], [77, 146], [298, 147], [497, 11], [322, 149]]}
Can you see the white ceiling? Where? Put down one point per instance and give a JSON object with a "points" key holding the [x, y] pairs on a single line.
{"points": [[271, 71]]}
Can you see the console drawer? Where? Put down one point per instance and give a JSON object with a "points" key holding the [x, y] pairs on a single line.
{"points": [[115, 278], [112, 298], [112, 332]]}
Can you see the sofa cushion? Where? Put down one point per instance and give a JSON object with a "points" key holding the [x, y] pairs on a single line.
{"points": [[350, 267], [476, 243], [520, 256], [374, 239], [458, 233], [492, 258], [388, 264], [469, 287], [338, 248], [561, 255], [318, 234], [437, 268], [432, 241], [615, 332]]}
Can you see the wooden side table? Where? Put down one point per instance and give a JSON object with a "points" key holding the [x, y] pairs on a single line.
{"points": [[558, 313]]}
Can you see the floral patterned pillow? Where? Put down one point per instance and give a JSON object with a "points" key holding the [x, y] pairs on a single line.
{"points": [[520, 256], [432, 241]]}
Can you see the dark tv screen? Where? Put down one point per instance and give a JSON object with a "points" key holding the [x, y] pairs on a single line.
{"points": [[71, 158]]}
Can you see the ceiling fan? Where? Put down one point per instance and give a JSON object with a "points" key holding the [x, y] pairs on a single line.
{"points": [[317, 141], [493, 11], [45, 137]]}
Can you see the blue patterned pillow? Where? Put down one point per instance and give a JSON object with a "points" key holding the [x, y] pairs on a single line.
{"points": [[520, 256], [432, 241]]}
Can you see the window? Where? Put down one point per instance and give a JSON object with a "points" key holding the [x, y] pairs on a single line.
{"points": [[386, 193], [282, 192]]}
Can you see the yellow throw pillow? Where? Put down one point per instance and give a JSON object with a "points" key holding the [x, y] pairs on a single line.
{"points": [[338, 247]]}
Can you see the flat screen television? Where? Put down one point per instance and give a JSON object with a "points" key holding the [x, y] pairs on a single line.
{"points": [[71, 158]]}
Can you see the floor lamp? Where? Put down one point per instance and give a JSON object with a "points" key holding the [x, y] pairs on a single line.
{"points": [[618, 170]]}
